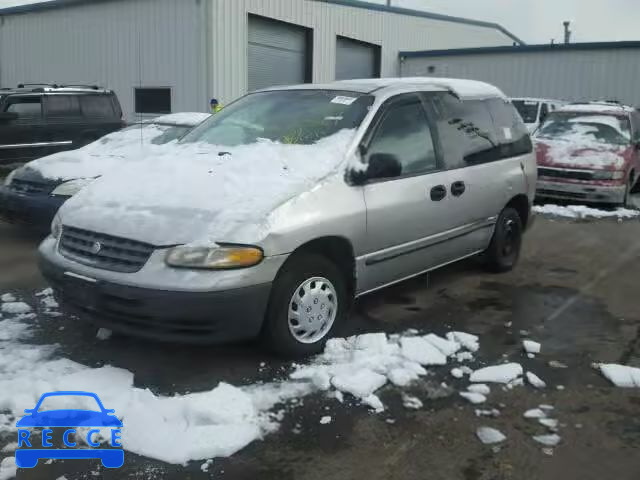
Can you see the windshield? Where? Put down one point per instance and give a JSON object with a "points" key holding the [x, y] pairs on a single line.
{"points": [[605, 129], [64, 402], [527, 109], [285, 116]]}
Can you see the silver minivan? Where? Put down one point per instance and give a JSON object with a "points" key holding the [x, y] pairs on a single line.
{"points": [[290, 203]]}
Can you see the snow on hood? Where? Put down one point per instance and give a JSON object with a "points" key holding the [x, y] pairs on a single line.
{"points": [[190, 119], [201, 193], [101, 156], [577, 149]]}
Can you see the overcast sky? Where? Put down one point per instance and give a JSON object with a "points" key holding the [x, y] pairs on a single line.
{"points": [[537, 21]]}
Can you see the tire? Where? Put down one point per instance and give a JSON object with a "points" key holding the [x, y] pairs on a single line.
{"points": [[319, 279], [504, 250]]}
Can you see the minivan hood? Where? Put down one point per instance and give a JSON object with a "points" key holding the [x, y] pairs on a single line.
{"points": [[591, 155], [201, 194]]}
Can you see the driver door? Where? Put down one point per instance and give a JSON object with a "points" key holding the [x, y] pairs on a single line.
{"points": [[407, 202]]}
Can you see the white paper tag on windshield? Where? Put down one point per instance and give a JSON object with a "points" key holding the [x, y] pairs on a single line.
{"points": [[343, 100], [507, 133]]}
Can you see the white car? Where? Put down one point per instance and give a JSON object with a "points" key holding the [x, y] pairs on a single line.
{"points": [[32, 194], [534, 111]]}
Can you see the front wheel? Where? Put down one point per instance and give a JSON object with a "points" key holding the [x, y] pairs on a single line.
{"points": [[504, 250], [309, 301]]}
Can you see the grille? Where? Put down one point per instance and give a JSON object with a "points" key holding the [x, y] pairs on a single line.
{"points": [[104, 251], [27, 186], [569, 174], [556, 193]]}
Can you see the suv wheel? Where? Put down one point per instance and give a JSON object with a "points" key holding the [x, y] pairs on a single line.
{"points": [[504, 250], [308, 302]]}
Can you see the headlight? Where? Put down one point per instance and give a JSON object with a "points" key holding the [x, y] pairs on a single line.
{"points": [[70, 188], [9, 179], [56, 227], [607, 175], [217, 258]]}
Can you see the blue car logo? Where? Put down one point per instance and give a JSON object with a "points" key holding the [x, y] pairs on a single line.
{"points": [[27, 455]]}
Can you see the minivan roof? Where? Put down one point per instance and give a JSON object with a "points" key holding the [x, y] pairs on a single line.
{"points": [[533, 99], [465, 89]]}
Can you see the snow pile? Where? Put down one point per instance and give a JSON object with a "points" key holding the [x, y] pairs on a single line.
{"points": [[531, 347], [214, 423], [505, 373], [581, 211], [490, 436], [621, 375], [8, 468], [193, 194], [535, 381], [15, 307]]}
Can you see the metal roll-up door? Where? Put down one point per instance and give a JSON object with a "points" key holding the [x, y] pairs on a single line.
{"points": [[356, 59], [277, 53]]}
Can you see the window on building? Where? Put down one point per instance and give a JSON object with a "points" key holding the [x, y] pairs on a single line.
{"points": [[62, 106], [153, 100], [96, 106], [25, 106]]}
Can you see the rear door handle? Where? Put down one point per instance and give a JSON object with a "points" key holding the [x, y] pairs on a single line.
{"points": [[438, 193], [458, 188]]}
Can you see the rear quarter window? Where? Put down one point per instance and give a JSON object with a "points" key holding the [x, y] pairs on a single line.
{"points": [[97, 106], [466, 131]]}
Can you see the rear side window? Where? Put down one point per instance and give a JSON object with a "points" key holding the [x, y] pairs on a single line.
{"points": [[466, 131], [513, 136], [97, 106], [25, 106], [63, 106]]}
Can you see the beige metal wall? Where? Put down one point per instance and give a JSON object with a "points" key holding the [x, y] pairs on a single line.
{"points": [[394, 32]]}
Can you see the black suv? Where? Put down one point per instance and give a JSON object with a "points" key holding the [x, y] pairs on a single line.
{"points": [[38, 120]]}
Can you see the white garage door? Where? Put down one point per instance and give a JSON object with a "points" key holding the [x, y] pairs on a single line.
{"points": [[356, 59], [277, 53]]}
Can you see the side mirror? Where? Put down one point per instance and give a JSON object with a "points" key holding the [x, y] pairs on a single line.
{"points": [[8, 116], [383, 165]]}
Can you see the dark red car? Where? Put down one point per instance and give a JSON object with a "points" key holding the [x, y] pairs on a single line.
{"points": [[589, 152]]}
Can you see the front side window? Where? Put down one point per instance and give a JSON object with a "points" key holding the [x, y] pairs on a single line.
{"points": [[404, 135], [285, 116], [587, 128], [25, 106]]}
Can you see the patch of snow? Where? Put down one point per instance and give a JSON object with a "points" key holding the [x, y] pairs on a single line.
{"points": [[557, 364], [374, 402], [464, 356], [206, 465], [621, 375], [596, 108], [457, 373], [531, 347], [325, 420], [490, 436], [480, 388], [535, 413], [47, 292], [360, 383], [8, 298], [447, 347], [411, 402], [188, 119], [551, 423], [550, 440], [104, 334], [474, 397], [467, 340], [8, 468], [421, 351], [535, 381], [15, 308], [505, 373], [494, 412], [581, 211], [49, 303], [545, 406], [9, 447]]}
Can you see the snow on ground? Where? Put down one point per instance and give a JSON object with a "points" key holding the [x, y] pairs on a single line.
{"points": [[505, 373], [535, 381], [15, 307], [581, 211], [473, 397], [490, 436], [8, 468], [535, 413], [480, 388], [411, 402], [621, 375], [550, 440], [325, 420], [531, 347]]}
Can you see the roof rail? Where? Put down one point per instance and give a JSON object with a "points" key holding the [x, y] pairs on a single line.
{"points": [[92, 87], [24, 85]]}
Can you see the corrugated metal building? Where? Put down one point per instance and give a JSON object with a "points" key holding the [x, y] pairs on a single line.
{"points": [[574, 72], [175, 55]]}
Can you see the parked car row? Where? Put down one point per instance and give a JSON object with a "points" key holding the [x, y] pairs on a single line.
{"points": [[270, 217]]}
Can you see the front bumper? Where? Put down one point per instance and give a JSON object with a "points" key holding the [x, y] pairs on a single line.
{"points": [[35, 210], [179, 316], [584, 192]]}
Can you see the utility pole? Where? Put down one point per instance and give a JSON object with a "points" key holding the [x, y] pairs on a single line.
{"points": [[567, 32]]}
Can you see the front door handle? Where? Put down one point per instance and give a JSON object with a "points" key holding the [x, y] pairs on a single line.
{"points": [[458, 188], [438, 193]]}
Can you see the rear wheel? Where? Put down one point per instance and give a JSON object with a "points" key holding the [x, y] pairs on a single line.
{"points": [[309, 302], [504, 250]]}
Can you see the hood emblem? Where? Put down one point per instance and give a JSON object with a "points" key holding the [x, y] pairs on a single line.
{"points": [[96, 247]]}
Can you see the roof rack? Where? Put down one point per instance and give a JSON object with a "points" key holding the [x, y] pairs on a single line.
{"points": [[92, 87], [25, 85]]}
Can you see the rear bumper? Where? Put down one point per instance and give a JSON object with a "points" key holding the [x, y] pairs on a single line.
{"points": [[33, 210], [177, 316], [580, 192]]}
